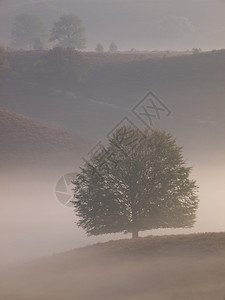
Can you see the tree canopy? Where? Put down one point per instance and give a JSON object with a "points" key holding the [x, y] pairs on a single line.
{"points": [[138, 182], [27, 28], [69, 31], [113, 47], [99, 48]]}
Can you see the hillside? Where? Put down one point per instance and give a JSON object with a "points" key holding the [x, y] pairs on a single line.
{"points": [[187, 267], [192, 86], [24, 138]]}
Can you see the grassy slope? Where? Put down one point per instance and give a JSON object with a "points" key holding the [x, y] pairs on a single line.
{"points": [[22, 137], [167, 267], [192, 86]]}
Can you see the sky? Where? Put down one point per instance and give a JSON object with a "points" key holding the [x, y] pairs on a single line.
{"points": [[131, 24]]}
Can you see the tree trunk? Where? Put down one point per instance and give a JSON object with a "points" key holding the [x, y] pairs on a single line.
{"points": [[134, 234]]}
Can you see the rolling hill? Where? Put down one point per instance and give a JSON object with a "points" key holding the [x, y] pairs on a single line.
{"points": [[168, 267], [24, 138], [192, 86]]}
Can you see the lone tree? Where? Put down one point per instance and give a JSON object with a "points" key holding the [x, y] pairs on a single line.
{"points": [[113, 47], [68, 31], [99, 48], [138, 182], [27, 29]]}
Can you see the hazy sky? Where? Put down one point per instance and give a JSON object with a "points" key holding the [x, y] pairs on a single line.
{"points": [[143, 24]]}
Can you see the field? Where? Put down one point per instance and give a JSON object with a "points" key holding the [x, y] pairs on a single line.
{"points": [[187, 267]]}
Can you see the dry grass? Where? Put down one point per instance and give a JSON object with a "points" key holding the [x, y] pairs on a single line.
{"points": [[23, 137], [183, 267]]}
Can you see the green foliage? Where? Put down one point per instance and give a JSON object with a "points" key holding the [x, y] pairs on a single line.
{"points": [[68, 31], [99, 48], [4, 65], [135, 183], [62, 68], [27, 29], [113, 47]]}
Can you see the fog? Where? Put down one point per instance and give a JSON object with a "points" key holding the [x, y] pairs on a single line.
{"points": [[34, 223], [123, 271], [49, 125], [132, 24]]}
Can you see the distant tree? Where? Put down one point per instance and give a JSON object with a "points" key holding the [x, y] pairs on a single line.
{"points": [[62, 68], [113, 47], [68, 31], [27, 29], [196, 50], [135, 183], [4, 65], [99, 48]]}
